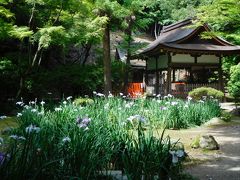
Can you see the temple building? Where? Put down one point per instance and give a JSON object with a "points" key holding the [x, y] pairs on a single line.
{"points": [[179, 60]]}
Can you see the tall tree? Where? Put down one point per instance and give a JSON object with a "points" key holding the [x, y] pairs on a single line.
{"points": [[115, 13], [134, 22]]}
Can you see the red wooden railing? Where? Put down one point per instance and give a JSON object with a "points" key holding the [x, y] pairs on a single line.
{"points": [[135, 89]]}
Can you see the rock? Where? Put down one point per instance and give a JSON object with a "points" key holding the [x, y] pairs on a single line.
{"points": [[236, 111], [208, 142]]}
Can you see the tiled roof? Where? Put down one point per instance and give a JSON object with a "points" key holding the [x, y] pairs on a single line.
{"points": [[179, 37]]}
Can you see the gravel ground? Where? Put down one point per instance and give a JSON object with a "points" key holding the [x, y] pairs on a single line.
{"points": [[223, 164]]}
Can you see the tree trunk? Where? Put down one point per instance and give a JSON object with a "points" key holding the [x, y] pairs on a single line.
{"points": [[126, 75], [107, 61], [86, 53], [128, 32]]}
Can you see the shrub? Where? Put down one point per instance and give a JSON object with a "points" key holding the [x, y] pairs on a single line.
{"points": [[208, 92], [234, 82], [83, 101]]}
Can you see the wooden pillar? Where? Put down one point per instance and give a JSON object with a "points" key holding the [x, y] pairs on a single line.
{"points": [[195, 59], [146, 73], [191, 75], [220, 76], [157, 77], [174, 78], [169, 71]]}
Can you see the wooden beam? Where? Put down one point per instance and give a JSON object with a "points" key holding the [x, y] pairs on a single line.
{"points": [[146, 73], [184, 65]]}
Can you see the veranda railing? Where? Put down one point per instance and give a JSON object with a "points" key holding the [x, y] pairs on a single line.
{"points": [[179, 88]]}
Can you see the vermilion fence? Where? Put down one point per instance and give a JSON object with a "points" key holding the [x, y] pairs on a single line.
{"points": [[135, 89]]}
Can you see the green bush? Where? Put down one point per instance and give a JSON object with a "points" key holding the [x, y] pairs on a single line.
{"points": [[208, 92], [234, 82], [82, 101]]}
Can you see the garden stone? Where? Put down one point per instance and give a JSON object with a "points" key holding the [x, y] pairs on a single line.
{"points": [[236, 111], [208, 142]]}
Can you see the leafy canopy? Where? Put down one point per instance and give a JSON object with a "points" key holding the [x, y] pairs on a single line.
{"points": [[224, 18]]}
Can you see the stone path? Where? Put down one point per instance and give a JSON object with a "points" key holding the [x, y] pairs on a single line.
{"points": [[224, 165]]}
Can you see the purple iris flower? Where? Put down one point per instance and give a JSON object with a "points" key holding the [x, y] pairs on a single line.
{"points": [[84, 122]]}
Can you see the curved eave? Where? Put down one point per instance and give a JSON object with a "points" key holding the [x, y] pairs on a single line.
{"points": [[189, 49], [201, 49]]}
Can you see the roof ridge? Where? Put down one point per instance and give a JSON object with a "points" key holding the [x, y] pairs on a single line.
{"points": [[177, 25]]}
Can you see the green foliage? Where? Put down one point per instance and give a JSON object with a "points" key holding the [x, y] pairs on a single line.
{"points": [[111, 9], [228, 62], [223, 16], [75, 80], [234, 82], [195, 143], [20, 32], [83, 101], [208, 92], [226, 116], [49, 35], [5, 65], [5, 13], [69, 80], [7, 27], [166, 12]]}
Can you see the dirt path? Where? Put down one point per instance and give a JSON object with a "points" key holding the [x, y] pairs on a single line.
{"points": [[223, 164]]}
